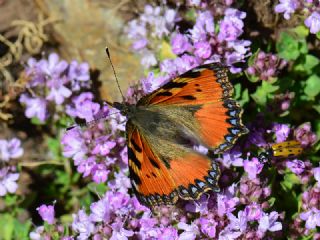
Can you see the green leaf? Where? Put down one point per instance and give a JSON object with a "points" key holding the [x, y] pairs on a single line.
{"points": [[307, 64], [264, 92], [271, 201], [21, 230], [54, 146], [318, 35], [241, 96], [66, 219], [191, 15], [36, 121], [245, 97], [317, 108], [65, 121], [302, 31], [11, 200], [237, 91], [253, 57], [166, 51], [290, 179], [287, 46], [6, 227], [303, 46], [252, 78], [96, 188], [312, 87], [311, 61]]}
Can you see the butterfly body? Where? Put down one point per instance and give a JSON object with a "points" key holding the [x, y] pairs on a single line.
{"points": [[163, 127]]}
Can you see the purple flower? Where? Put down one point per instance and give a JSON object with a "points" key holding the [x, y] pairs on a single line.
{"points": [[103, 146], [313, 22], [148, 59], [316, 173], [10, 149], [52, 67], [305, 135], [226, 203], [231, 27], [200, 206], [238, 223], [204, 26], [34, 71], [312, 218], [190, 232], [8, 181], [194, 2], [117, 121], [100, 211], [82, 224], [168, 233], [287, 7], [78, 74], [268, 222], [296, 166], [140, 44], [121, 182], [208, 226], [99, 173], [202, 49], [79, 71], [180, 44], [229, 234], [311, 198], [36, 235], [35, 107], [185, 63], [136, 30], [58, 92], [74, 145], [47, 213], [232, 158], [85, 166], [282, 132], [120, 233], [84, 107], [252, 167], [266, 66], [253, 212], [241, 48], [151, 83]]}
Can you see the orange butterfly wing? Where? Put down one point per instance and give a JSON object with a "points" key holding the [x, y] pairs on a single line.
{"points": [[156, 182], [218, 115], [208, 92]]}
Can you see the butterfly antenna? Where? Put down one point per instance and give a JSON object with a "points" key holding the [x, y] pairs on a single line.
{"points": [[114, 72]]}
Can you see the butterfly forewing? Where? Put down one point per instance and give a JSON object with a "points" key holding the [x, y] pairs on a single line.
{"points": [[207, 87]]}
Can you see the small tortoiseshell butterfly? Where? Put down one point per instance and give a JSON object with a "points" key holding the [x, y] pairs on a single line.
{"points": [[195, 108]]}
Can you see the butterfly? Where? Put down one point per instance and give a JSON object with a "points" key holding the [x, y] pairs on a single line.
{"points": [[285, 149], [162, 129]]}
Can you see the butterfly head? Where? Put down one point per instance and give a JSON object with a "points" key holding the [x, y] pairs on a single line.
{"points": [[125, 109]]}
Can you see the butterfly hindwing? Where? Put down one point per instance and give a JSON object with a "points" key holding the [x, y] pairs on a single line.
{"points": [[207, 89], [157, 181]]}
